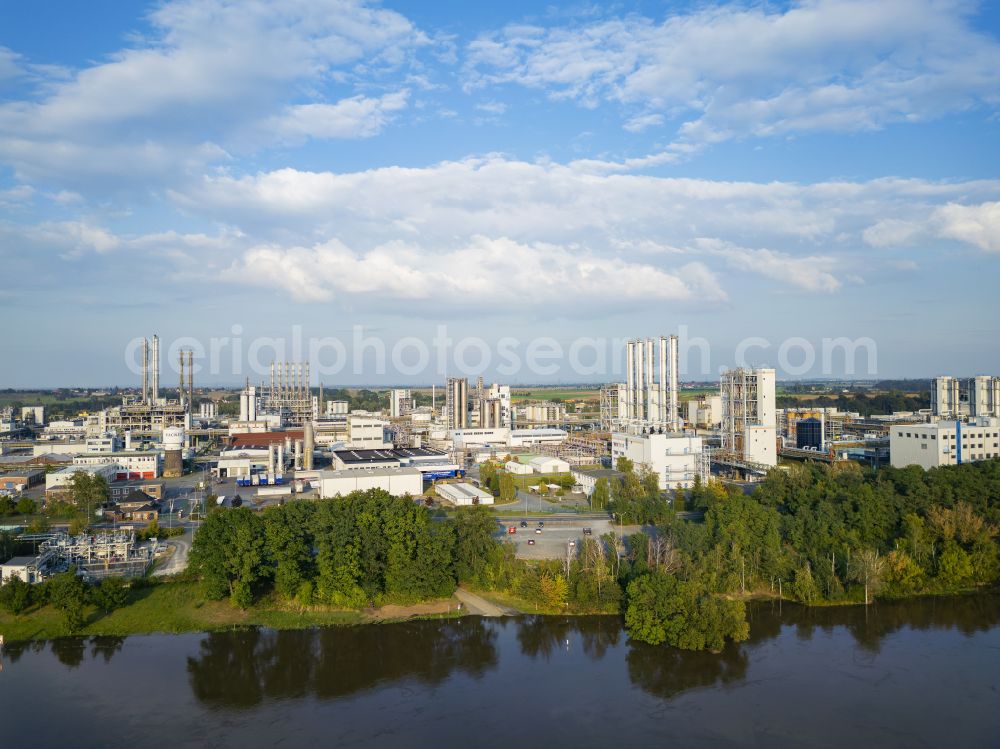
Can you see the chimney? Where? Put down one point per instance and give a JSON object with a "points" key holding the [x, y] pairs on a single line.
{"points": [[191, 378], [154, 394], [145, 370]]}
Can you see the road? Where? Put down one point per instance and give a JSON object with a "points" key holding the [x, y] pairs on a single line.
{"points": [[177, 561], [479, 606]]}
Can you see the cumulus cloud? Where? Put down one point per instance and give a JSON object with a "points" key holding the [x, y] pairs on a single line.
{"points": [[356, 117], [978, 225], [810, 273], [211, 69], [483, 270], [737, 70]]}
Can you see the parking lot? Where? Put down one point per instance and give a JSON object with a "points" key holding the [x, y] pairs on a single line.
{"points": [[556, 534]]}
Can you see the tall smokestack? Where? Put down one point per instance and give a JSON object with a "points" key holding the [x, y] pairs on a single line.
{"points": [[180, 386], [191, 379], [145, 370], [662, 384], [640, 383], [674, 420], [647, 394], [630, 379], [154, 394], [310, 444]]}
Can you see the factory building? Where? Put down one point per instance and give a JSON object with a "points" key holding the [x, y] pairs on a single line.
{"points": [[749, 419], [544, 413], [59, 481], [984, 396], [129, 466], [432, 464], [396, 481], [832, 423], [675, 458], [954, 398], [944, 443], [945, 398], [400, 403], [649, 395], [705, 413], [809, 434], [457, 403], [336, 408], [463, 495]]}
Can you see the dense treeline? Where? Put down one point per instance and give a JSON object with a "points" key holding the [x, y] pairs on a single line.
{"points": [[814, 533], [864, 403], [68, 594], [362, 549]]}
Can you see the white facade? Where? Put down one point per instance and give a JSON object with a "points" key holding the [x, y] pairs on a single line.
{"points": [[704, 412], [984, 396], [396, 481], [944, 443], [137, 464], [749, 417], [540, 436], [463, 495], [521, 469], [400, 403], [208, 410], [545, 412], [60, 479], [466, 438], [945, 401], [366, 432], [675, 458], [335, 408], [34, 414]]}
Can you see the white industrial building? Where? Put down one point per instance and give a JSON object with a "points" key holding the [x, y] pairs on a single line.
{"points": [[676, 458], [138, 464], [649, 394], [396, 481], [400, 403], [547, 464], [463, 495], [60, 479], [944, 443], [704, 412], [954, 398], [587, 478], [521, 469], [749, 419]]}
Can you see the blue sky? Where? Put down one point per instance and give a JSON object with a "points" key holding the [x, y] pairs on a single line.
{"points": [[801, 170]]}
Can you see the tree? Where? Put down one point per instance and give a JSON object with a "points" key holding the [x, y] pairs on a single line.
{"points": [[554, 589], [111, 594], [474, 528], [804, 586], [954, 567], [868, 569], [68, 594], [664, 609], [601, 495], [88, 491], [26, 506], [229, 554], [508, 489], [15, 595]]}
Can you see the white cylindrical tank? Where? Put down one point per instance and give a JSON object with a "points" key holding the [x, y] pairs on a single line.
{"points": [[173, 438]]}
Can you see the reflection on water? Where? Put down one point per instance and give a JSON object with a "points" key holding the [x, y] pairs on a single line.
{"points": [[919, 672], [239, 669]]}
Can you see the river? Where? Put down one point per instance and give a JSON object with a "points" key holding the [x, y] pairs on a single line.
{"points": [[909, 674]]}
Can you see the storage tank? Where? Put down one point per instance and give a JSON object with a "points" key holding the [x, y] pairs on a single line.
{"points": [[173, 438], [173, 451]]}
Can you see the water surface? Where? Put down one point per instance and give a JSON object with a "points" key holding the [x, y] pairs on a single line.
{"points": [[919, 673]]}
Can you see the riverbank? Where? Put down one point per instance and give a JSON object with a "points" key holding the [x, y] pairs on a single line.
{"points": [[178, 606]]}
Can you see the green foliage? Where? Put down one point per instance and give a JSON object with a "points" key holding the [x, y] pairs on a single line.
{"points": [[69, 594], [474, 527], [111, 594], [229, 554], [15, 595], [507, 487], [602, 494], [26, 506], [662, 608], [88, 490]]}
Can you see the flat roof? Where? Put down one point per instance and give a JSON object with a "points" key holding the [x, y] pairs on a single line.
{"points": [[366, 456], [467, 490], [598, 473], [20, 561], [372, 472]]}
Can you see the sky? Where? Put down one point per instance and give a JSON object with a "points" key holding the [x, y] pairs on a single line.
{"points": [[404, 191]]}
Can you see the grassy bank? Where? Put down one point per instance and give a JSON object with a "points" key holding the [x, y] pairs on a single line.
{"points": [[172, 607]]}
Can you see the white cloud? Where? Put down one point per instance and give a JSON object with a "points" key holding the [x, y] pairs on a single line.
{"points": [[492, 107], [736, 70], [978, 225], [481, 271], [642, 122], [891, 232], [356, 117], [810, 273], [212, 69]]}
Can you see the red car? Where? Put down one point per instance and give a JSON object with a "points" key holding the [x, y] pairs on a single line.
{"points": [[512, 529]]}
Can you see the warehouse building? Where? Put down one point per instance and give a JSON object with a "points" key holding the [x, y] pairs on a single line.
{"points": [[944, 443], [463, 495], [397, 481]]}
